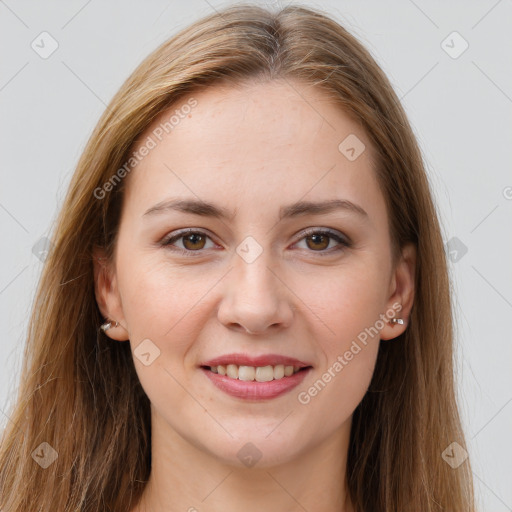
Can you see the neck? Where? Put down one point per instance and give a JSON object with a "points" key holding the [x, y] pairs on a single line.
{"points": [[185, 477]]}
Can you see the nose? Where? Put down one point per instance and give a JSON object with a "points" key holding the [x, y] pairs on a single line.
{"points": [[256, 298]]}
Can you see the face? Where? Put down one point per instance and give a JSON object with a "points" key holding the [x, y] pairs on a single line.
{"points": [[258, 275]]}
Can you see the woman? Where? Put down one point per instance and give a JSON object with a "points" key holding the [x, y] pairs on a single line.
{"points": [[247, 304]]}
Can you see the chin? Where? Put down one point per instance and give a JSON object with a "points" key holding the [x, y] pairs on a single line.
{"points": [[256, 449]]}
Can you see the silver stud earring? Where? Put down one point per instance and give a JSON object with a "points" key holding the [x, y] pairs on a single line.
{"points": [[107, 325], [397, 321]]}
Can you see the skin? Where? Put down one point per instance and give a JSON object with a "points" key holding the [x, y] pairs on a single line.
{"points": [[253, 149]]}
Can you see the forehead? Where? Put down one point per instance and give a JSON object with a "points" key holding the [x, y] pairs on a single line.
{"points": [[257, 144]]}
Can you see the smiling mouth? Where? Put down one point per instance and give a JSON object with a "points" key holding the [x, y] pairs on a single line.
{"points": [[256, 373]]}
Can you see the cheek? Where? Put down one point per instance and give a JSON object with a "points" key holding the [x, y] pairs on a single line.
{"points": [[347, 308], [159, 299], [346, 301], [162, 305], [347, 304]]}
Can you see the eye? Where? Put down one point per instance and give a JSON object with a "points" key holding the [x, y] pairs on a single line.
{"points": [[318, 240], [193, 240]]}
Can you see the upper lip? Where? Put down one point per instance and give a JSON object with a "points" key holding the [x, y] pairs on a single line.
{"points": [[247, 360]]}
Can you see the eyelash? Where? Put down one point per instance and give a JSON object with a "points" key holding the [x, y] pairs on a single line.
{"points": [[344, 243]]}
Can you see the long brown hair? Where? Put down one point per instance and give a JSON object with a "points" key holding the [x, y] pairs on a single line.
{"points": [[79, 391]]}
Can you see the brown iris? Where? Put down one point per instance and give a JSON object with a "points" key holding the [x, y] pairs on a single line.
{"points": [[317, 238], [192, 239]]}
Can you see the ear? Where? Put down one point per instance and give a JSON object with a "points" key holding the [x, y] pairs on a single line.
{"points": [[401, 292], [107, 295]]}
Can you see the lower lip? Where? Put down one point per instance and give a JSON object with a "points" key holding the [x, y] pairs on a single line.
{"points": [[253, 390]]}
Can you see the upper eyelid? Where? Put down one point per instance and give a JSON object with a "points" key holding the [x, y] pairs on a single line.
{"points": [[328, 231]]}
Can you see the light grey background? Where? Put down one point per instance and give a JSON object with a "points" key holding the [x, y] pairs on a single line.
{"points": [[460, 109]]}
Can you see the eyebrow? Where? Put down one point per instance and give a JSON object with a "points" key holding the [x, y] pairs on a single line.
{"points": [[205, 209]]}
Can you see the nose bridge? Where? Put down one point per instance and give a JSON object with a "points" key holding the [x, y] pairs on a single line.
{"points": [[252, 274]]}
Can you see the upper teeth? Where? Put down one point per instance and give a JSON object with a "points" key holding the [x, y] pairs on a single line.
{"points": [[259, 373]]}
